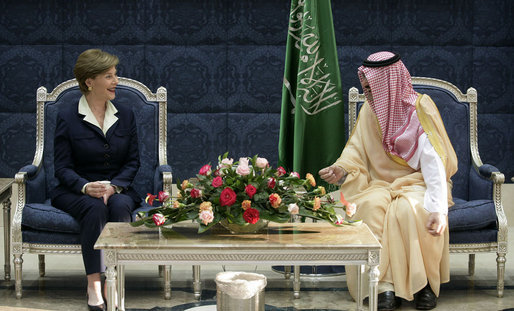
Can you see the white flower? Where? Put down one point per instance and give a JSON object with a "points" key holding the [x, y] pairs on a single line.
{"points": [[261, 163], [293, 208], [351, 209]]}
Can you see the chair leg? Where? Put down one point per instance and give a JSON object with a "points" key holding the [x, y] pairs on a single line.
{"points": [[41, 259], [18, 262], [471, 265], [500, 266]]}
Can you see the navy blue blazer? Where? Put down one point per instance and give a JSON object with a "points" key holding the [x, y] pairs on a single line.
{"points": [[83, 154]]}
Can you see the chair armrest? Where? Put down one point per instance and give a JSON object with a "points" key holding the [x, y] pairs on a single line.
{"points": [[35, 183], [484, 181], [163, 178], [31, 170], [487, 170]]}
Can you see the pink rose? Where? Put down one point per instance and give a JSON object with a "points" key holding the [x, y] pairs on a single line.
{"points": [[196, 193], [271, 182], [242, 168], [250, 190], [217, 181], [281, 171], [205, 170], [295, 174], [158, 219], [206, 216], [228, 197], [226, 163], [261, 163]]}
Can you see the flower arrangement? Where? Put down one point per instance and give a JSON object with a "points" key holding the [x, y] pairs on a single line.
{"points": [[242, 193]]}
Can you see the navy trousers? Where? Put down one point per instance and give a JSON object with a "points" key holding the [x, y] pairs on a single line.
{"points": [[92, 215]]}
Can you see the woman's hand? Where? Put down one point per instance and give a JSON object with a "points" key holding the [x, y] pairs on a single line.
{"points": [[96, 189], [436, 223], [100, 190], [332, 174], [109, 190]]}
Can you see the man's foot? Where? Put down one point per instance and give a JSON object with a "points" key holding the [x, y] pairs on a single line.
{"points": [[387, 301], [425, 299]]}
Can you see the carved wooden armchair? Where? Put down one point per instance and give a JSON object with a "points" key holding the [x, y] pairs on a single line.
{"points": [[477, 221], [38, 227]]}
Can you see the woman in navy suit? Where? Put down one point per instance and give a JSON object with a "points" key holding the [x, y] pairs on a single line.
{"points": [[96, 160]]}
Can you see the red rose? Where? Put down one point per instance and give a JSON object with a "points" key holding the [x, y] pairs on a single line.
{"points": [[195, 193], [228, 197], [158, 219], [217, 181], [205, 170], [149, 198], [275, 200], [163, 195], [250, 190], [271, 182], [251, 215], [281, 171]]}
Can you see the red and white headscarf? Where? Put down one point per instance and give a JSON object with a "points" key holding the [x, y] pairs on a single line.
{"points": [[393, 100]]}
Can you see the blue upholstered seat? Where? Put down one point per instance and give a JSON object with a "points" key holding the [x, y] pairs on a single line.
{"points": [[38, 227], [477, 222]]}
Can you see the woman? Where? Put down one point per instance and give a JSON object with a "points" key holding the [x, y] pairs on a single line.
{"points": [[96, 158], [396, 167]]}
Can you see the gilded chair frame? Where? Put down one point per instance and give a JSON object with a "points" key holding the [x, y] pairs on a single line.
{"points": [[500, 246], [18, 246]]}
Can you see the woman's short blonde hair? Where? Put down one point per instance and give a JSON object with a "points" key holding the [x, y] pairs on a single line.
{"points": [[91, 63]]}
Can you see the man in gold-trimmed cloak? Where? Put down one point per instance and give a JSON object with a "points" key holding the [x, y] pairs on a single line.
{"points": [[396, 168]]}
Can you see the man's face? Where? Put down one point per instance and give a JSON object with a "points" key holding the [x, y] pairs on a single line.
{"points": [[367, 89]]}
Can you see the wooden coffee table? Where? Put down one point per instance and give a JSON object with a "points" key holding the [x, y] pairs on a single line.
{"points": [[282, 244]]}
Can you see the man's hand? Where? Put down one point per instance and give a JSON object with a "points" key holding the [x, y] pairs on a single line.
{"points": [[436, 223], [332, 174]]}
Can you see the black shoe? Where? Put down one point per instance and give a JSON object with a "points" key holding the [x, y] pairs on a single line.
{"points": [[96, 308], [101, 307], [425, 299], [387, 301]]}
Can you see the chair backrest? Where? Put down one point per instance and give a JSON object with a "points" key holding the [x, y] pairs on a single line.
{"points": [[150, 113], [459, 114]]}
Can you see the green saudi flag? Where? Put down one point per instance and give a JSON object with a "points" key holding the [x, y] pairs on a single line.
{"points": [[312, 131]]}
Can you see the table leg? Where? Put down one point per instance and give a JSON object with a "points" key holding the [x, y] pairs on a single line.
{"points": [[296, 282], [167, 282], [7, 238], [373, 282], [197, 285], [360, 276], [111, 287], [121, 287], [287, 272]]}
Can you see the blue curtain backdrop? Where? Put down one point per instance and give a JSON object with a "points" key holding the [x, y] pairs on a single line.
{"points": [[222, 63]]}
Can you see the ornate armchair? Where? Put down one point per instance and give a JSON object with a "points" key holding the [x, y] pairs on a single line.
{"points": [[477, 222], [37, 226]]}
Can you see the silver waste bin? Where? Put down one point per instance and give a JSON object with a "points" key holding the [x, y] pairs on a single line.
{"points": [[240, 291]]}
